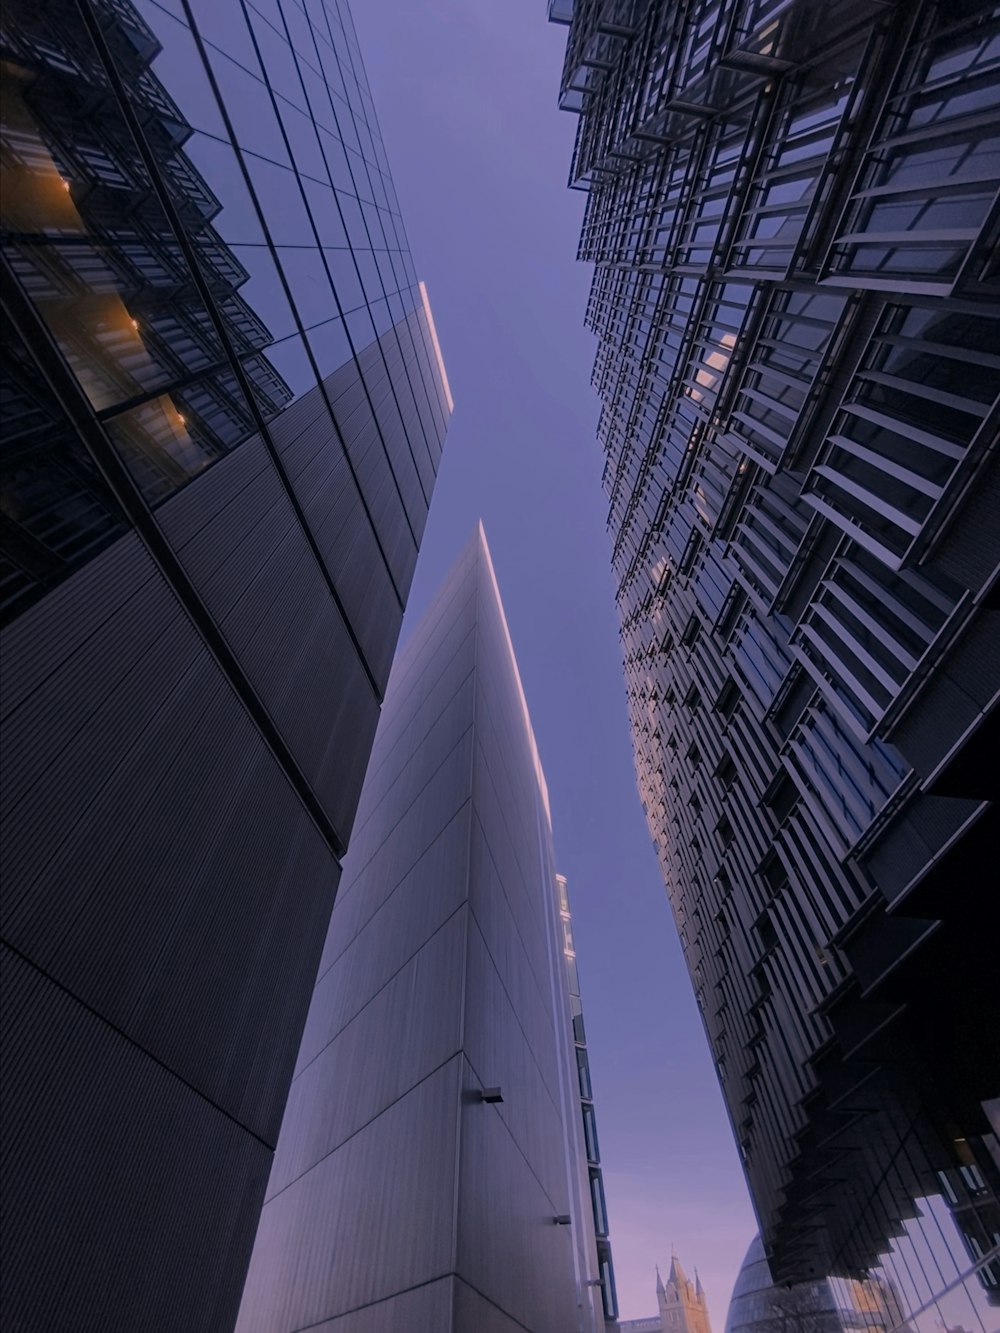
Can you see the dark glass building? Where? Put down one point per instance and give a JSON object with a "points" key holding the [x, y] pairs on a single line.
{"points": [[792, 213], [758, 1306], [430, 1173], [223, 410]]}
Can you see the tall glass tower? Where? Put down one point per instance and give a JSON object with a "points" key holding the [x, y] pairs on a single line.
{"points": [[224, 406], [792, 213]]}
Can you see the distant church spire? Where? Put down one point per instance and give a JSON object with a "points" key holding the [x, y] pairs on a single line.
{"points": [[683, 1304]]}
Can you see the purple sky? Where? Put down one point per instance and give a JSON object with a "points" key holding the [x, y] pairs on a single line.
{"points": [[466, 96]]}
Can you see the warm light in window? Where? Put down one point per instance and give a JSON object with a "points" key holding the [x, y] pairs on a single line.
{"points": [[65, 185], [135, 323], [180, 419]]}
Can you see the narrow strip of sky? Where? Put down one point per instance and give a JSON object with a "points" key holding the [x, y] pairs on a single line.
{"points": [[466, 95]]}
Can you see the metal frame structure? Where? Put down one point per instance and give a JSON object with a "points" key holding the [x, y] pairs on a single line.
{"points": [[793, 218]]}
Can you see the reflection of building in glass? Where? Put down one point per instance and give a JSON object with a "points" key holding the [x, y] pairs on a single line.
{"points": [[793, 218], [88, 241], [224, 406], [430, 1172], [758, 1306], [591, 1148]]}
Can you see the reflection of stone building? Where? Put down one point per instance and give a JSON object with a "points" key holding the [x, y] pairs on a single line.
{"points": [[760, 1306], [205, 561], [793, 218], [682, 1304]]}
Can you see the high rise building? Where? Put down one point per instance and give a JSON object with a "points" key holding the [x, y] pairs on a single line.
{"points": [[223, 411], [429, 1172], [792, 213]]}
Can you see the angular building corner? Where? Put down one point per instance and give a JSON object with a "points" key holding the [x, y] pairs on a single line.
{"points": [[430, 1172], [793, 217], [224, 406]]}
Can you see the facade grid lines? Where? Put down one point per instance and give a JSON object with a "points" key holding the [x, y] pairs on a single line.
{"points": [[224, 408], [793, 216]]}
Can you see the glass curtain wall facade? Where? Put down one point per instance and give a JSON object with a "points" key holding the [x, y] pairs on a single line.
{"points": [[223, 411], [591, 1148], [429, 1172], [758, 1306], [792, 216]]}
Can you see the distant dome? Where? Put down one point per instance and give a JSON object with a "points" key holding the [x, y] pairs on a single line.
{"points": [[758, 1306]]}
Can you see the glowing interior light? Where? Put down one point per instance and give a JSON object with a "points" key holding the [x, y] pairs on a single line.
{"points": [[135, 323], [65, 184]]}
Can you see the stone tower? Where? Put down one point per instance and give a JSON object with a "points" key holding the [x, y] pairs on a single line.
{"points": [[683, 1308]]}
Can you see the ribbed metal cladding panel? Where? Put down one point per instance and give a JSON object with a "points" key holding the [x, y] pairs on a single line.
{"points": [[321, 480], [423, 342], [439, 977], [190, 865], [424, 1309], [508, 1246], [359, 1227], [473, 1310], [110, 1167], [410, 395], [373, 454], [356, 544], [386, 937], [421, 1003], [179, 903], [385, 381], [33, 646], [253, 568]]}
